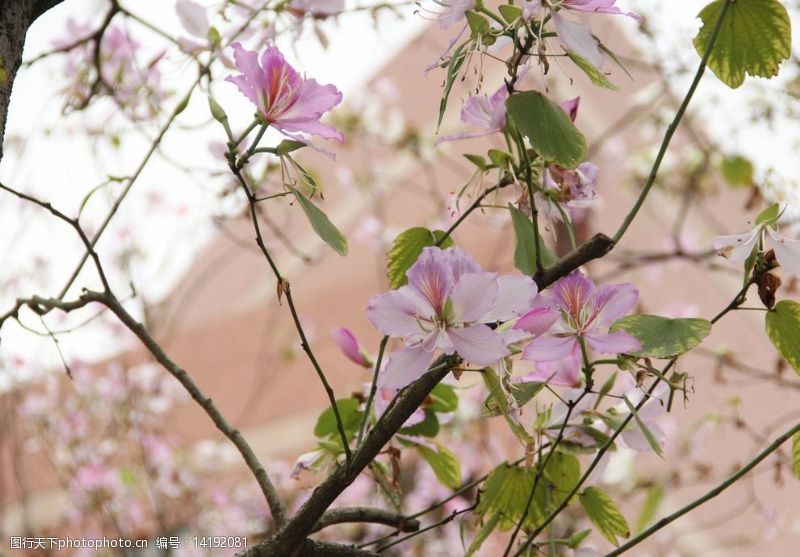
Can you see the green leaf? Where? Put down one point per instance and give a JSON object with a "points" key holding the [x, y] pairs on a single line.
{"points": [[351, 418], [662, 337], [604, 514], [597, 77], [756, 36], [564, 471], [649, 508], [497, 404], [408, 246], [506, 493], [500, 158], [548, 128], [783, 329], [444, 463], [769, 215], [456, 60], [525, 248], [477, 160], [651, 439], [477, 23], [737, 170], [482, 535], [287, 146], [577, 538], [445, 399], [321, 224], [429, 427], [510, 13], [796, 454]]}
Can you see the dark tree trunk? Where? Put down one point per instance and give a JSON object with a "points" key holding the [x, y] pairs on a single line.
{"points": [[15, 18]]}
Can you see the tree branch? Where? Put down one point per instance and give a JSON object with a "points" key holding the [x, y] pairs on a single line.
{"points": [[594, 248], [289, 539], [366, 514]]}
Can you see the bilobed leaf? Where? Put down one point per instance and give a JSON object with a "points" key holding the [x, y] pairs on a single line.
{"points": [[444, 463], [548, 128], [783, 329], [348, 410], [796, 455], [597, 77], [755, 37], [651, 439], [604, 514], [737, 170], [321, 224], [652, 500], [662, 337], [525, 248], [408, 246]]}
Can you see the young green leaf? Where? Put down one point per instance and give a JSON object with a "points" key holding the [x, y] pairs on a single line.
{"points": [[525, 248], [597, 77], [429, 427], [456, 60], [651, 439], [796, 454], [497, 404], [482, 535], [662, 337], [506, 493], [408, 246], [737, 170], [321, 224], [769, 215], [783, 329], [548, 128], [477, 160], [351, 418], [444, 398], [755, 38], [444, 463], [287, 146], [652, 500], [604, 514], [510, 13]]}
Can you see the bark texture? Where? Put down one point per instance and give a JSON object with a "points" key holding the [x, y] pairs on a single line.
{"points": [[16, 16]]}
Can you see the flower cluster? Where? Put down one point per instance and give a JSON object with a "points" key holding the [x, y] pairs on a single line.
{"points": [[451, 305]]}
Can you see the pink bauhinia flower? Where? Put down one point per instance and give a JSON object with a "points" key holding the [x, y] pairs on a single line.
{"points": [[738, 247], [284, 99], [348, 344], [445, 306], [575, 36], [482, 111], [586, 312]]}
